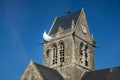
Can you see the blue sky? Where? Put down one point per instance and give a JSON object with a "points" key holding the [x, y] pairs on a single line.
{"points": [[22, 23]]}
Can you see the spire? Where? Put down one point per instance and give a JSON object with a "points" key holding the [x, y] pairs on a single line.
{"points": [[82, 9], [68, 4]]}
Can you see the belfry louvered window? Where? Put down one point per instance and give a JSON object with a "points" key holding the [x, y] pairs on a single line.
{"points": [[54, 54], [81, 52], [62, 48], [86, 55]]}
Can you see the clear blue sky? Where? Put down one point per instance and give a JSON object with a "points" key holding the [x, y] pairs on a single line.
{"points": [[22, 23]]}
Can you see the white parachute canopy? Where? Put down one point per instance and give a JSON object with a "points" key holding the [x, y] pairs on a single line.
{"points": [[46, 37]]}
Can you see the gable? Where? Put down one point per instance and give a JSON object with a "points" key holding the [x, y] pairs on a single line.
{"points": [[82, 29], [64, 22], [36, 71], [31, 73]]}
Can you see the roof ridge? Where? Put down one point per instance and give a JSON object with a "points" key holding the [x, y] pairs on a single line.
{"points": [[70, 13], [43, 66], [103, 69], [107, 68]]}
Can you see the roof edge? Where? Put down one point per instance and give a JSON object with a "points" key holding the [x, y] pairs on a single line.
{"points": [[52, 25], [36, 69]]}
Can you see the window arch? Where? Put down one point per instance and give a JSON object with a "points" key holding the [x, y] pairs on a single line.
{"points": [[61, 51], [54, 49]]}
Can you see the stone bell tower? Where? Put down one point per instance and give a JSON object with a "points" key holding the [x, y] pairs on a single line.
{"points": [[71, 50]]}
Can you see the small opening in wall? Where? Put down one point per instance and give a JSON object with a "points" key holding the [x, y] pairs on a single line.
{"points": [[48, 52], [86, 47], [86, 55], [86, 63]]}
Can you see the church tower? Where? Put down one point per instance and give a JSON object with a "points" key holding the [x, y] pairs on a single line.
{"points": [[71, 50]]}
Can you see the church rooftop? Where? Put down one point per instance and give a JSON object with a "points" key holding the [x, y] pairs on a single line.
{"points": [[48, 73], [65, 22], [103, 74]]}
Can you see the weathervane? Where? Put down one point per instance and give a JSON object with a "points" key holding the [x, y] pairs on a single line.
{"points": [[68, 6]]}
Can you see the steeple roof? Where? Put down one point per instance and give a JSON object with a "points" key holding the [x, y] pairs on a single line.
{"points": [[65, 22]]}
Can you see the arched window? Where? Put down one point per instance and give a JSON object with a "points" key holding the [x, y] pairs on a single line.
{"points": [[62, 49], [54, 48], [81, 51]]}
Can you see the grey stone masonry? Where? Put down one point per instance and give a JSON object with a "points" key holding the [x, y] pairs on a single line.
{"points": [[78, 52]]}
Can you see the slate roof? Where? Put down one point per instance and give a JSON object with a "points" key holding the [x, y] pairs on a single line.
{"points": [[49, 73], [104, 74], [65, 22]]}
